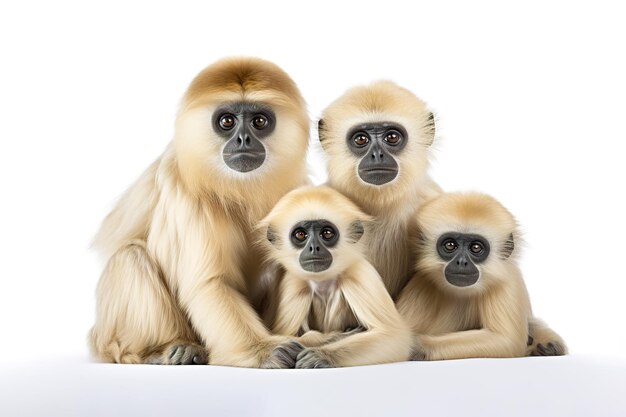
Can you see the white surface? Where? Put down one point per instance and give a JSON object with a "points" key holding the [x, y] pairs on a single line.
{"points": [[566, 386]]}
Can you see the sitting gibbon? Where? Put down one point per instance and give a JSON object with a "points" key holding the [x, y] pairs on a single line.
{"points": [[467, 297], [319, 237]]}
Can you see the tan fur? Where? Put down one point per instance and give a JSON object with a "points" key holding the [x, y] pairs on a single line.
{"points": [[181, 264], [348, 294], [488, 319], [392, 205]]}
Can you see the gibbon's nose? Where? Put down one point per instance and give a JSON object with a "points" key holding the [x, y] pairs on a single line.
{"points": [[377, 154], [314, 248], [243, 141], [461, 261]]}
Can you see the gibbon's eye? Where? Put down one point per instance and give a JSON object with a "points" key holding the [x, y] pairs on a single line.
{"points": [[360, 139], [392, 137], [300, 235], [449, 245], [476, 247], [227, 121], [260, 122], [327, 233]]}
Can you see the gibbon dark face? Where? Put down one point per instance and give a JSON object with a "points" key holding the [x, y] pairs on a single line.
{"points": [[315, 237], [462, 252], [376, 144], [244, 125]]}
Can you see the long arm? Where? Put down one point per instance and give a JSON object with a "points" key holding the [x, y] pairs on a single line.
{"points": [[504, 314], [294, 304], [210, 287], [386, 337]]}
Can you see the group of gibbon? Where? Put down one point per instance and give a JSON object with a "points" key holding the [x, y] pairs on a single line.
{"points": [[222, 253]]}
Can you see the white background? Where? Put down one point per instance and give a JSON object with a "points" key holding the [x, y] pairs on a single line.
{"points": [[530, 104]]}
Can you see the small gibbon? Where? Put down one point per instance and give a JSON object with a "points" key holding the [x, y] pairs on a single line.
{"points": [[317, 236], [376, 139], [182, 267], [467, 298]]}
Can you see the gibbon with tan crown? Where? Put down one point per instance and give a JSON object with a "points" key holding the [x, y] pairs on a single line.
{"points": [[317, 236], [182, 269], [376, 139], [467, 298]]}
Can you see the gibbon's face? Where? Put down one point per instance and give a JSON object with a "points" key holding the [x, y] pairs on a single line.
{"points": [[242, 140], [376, 145], [244, 126], [317, 247], [314, 239], [466, 242], [314, 232], [463, 253], [242, 120], [376, 138]]}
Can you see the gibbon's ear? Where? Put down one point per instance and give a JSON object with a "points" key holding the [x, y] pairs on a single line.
{"points": [[355, 231], [430, 128], [508, 247], [321, 133], [272, 237]]}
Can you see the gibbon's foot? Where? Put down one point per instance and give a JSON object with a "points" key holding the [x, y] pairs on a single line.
{"points": [[283, 356], [549, 349], [312, 358], [182, 354]]}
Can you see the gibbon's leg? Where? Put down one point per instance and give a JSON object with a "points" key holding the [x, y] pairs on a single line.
{"points": [[137, 321], [543, 341], [388, 338]]}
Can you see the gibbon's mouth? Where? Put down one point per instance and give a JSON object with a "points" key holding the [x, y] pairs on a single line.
{"points": [[379, 170], [316, 264], [462, 280], [378, 175], [244, 161], [245, 154]]}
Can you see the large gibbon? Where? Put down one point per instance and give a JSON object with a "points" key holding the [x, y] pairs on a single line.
{"points": [[181, 267]]}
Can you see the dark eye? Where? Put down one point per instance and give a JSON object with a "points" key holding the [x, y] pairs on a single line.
{"points": [[360, 139], [327, 233], [476, 247], [300, 235], [227, 121], [260, 122], [392, 138], [450, 245]]}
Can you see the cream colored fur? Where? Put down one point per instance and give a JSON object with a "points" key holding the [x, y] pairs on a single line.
{"points": [[392, 205], [181, 267], [347, 295], [491, 318]]}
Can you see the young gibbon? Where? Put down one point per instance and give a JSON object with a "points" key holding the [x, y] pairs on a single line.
{"points": [[376, 139], [467, 298], [317, 236], [181, 267]]}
